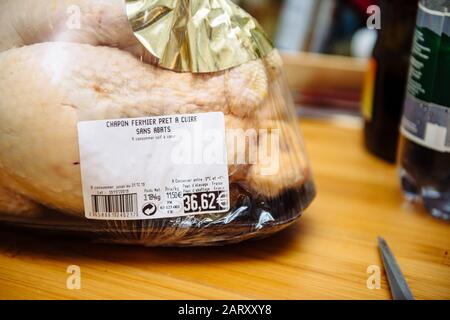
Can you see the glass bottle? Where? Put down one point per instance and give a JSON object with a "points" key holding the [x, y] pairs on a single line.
{"points": [[425, 139], [386, 78]]}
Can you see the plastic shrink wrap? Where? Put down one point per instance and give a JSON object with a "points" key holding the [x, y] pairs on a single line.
{"points": [[148, 74]]}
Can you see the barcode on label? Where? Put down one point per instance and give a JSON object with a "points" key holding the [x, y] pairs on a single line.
{"points": [[123, 203]]}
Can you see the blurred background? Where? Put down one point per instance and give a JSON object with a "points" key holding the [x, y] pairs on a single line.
{"points": [[323, 42], [382, 66]]}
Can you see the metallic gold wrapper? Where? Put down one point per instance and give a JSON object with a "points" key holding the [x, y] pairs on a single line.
{"points": [[197, 36]]}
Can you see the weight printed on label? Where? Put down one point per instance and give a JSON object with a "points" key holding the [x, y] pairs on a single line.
{"points": [[154, 167]]}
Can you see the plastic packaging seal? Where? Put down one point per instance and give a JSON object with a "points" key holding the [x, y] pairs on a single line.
{"points": [[197, 36]]}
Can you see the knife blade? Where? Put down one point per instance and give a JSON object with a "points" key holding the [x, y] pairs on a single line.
{"points": [[397, 283]]}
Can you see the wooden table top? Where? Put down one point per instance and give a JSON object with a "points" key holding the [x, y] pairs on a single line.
{"points": [[323, 256]]}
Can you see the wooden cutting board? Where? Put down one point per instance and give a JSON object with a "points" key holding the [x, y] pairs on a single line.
{"points": [[325, 255]]}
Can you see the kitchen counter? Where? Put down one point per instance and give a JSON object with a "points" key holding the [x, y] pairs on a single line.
{"points": [[323, 256]]}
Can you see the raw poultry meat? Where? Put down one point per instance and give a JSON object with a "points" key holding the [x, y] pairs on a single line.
{"points": [[52, 86], [95, 22], [14, 204], [52, 76]]}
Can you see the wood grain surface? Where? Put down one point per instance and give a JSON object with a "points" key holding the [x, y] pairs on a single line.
{"points": [[323, 256]]}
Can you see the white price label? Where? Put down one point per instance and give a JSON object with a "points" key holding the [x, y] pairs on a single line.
{"points": [[154, 167]]}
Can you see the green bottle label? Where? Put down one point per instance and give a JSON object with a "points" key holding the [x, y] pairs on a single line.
{"points": [[426, 116], [429, 76]]}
